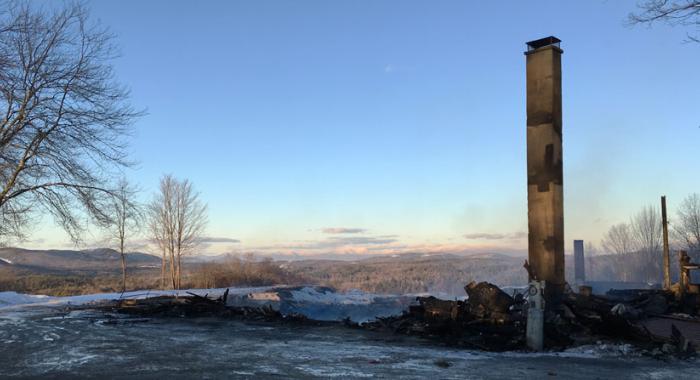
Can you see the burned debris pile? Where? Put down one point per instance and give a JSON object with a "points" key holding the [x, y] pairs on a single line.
{"points": [[194, 305], [488, 319], [492, 320]]}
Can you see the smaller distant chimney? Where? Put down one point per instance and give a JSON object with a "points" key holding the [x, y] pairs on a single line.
{"points": [[579, 263]]}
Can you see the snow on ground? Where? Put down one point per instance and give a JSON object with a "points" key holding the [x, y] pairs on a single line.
{"points": [[13, 299], [6, 261], [314, 302]]}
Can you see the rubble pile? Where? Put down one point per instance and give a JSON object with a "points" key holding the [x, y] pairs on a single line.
{"points": [[492, 320], [489, 319], [194, 305]]}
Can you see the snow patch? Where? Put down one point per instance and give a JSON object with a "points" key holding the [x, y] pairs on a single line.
{"points": [[329, 296], [6, 261], [264, 296], [14, 298], [314, 302]]}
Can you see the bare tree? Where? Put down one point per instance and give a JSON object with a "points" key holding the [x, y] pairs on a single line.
{"points": [[646, 263], [687, 228], [157, 226], [618, 239], [647, 230], [125, 215], [673, 12], [177, 222], [636, 246], [64, 120]]}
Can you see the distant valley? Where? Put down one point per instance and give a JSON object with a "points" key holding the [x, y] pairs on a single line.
{"points": [[62, 272]]}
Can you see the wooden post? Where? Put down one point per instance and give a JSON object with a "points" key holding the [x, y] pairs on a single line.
{"points": [[666, 257], [534, 330], [682, 279]]}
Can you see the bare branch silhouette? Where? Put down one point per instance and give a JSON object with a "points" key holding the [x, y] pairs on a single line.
{"points": [[64, 120]]}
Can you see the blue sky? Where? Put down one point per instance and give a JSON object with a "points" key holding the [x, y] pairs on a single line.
{"points": [[402, 120]]}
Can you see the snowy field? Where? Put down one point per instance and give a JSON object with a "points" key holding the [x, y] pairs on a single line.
{"points": [[41, 338]]}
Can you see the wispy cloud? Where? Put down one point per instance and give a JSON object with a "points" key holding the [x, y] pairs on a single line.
{"points": [[213, 239], [495, 236], [361, 240], [341, 230], [337, 242]]}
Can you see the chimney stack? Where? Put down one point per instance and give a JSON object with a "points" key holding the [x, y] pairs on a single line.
{"points": [[579, 263], [544, 166]]}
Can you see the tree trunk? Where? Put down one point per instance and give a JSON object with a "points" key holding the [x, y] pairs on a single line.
{"points": [[173, 270], [121, 251], [163, 265], [123, 273], [179, 270]]}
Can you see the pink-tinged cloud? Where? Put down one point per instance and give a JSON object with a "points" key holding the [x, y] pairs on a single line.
{"points": [[341, 230]]}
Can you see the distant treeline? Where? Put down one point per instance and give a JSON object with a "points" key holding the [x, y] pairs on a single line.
{"points": [[445, 275]]}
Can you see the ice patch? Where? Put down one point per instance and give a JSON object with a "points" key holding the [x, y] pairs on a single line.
{"points": [[589, 351], [325, 304], [344, 372], [326, 295]]}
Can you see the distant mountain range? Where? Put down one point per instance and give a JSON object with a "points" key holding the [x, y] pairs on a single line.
{"points": [[349, 257], [71, 260], [107, 258]]}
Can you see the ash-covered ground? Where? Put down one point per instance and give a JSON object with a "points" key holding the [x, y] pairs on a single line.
{"points": [[52, 341]]}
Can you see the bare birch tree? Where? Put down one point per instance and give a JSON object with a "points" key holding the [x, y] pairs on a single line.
{"points": [[125, 215], [64, 120], [177, 222], [157, 226]]}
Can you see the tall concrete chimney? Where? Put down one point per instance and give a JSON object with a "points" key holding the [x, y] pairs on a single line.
{"points": [[545, 201], [579, 263]]}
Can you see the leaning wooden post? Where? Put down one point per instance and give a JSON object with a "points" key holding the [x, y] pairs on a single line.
{"points": [[667, 256]]}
